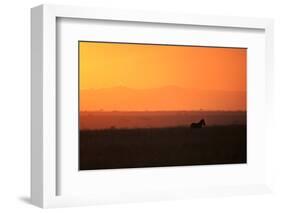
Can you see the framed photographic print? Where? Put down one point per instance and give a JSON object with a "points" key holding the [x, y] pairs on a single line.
{"points": [[130, 106]]}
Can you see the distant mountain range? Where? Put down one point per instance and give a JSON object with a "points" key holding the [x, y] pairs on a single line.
{"points": [[164, 98]]}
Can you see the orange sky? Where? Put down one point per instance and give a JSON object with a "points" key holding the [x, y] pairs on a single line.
{"points": [[113, 66]]}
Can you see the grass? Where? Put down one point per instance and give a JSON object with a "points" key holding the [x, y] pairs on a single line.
{"points": [[154, 147]]}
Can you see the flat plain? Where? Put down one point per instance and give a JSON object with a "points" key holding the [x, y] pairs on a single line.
{"points": [[165, 146]]}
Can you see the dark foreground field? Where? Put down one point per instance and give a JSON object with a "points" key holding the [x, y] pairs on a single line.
{"points": [[154, 147]]}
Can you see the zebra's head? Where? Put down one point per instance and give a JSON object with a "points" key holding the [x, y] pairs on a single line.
{"points": [[202, 121]]}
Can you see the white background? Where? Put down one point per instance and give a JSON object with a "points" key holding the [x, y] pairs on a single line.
{"points": [[150, 183], [15, 106]]}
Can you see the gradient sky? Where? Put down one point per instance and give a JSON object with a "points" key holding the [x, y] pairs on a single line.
{"points": [[140, 66]]}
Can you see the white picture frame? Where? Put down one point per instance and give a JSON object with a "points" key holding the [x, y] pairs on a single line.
{"points": [[45, 154]]}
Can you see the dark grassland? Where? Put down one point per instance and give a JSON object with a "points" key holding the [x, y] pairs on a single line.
{"points": [[155, 147]]}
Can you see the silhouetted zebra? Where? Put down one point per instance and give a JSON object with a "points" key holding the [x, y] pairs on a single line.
{"points": [[200, 124]]}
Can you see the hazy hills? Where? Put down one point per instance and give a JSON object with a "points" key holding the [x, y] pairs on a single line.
{"points": [[164, 98]]}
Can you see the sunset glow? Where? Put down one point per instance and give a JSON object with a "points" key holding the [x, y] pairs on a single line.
{"points": [[136, 77]]}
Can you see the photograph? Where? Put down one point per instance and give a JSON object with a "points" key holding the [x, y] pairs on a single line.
{"points": [[159, 105]]}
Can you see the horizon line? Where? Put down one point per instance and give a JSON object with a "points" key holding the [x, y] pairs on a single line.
{"points": [[219, 110], [160, 87]]}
